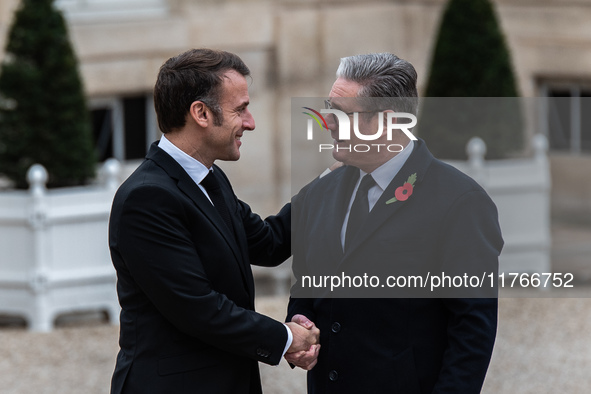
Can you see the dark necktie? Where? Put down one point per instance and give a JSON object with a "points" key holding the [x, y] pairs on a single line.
{"points": [[359, 209], [214, 191]]}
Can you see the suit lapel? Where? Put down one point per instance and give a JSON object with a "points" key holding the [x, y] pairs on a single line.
{"points": [[238, 234], [418, 162], [335, 212], [191, 190]]}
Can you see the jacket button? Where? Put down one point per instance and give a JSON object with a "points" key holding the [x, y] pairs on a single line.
{"points": [[333, 375], [336, 327], [262, 352]]}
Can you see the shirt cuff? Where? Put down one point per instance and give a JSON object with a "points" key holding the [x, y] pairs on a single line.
{"points": [[289, 340]]}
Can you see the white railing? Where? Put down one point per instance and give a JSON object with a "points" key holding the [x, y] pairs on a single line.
{"points": [[521, 190], [54, 249]]}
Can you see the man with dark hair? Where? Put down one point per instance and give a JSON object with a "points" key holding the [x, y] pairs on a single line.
{"points": [[182, 245], [391, 211]]}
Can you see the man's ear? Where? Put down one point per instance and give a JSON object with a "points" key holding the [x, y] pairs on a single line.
{"points": [[385, 120], [200, 113]]}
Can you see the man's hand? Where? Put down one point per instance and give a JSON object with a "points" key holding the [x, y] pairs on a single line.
{"points": [[305, 334], [304, 349]]}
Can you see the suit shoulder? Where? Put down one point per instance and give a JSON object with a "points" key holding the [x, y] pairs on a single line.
{"points": [[147, 175], [324, 182], [448, 177]]}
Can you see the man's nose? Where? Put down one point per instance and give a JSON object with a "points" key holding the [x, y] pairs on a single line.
{"points": [[248, 121], [331, 122]]}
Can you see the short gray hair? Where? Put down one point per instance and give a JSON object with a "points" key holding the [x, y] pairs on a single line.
{"points": [[383, 75]]}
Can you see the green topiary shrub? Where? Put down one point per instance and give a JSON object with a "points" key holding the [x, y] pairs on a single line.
{"points": [[43, 113], [471, 59]]}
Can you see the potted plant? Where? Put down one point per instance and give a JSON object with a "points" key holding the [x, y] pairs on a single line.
{"points": [[54, 242], [471, 60], [471, 111]]}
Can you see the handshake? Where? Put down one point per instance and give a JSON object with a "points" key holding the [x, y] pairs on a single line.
{"points": [[304, 348]]}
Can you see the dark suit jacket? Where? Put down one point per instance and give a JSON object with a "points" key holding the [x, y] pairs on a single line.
{"points": [[400, 345], [185, 285]]}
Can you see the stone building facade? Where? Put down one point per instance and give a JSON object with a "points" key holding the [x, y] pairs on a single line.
{"points": [[293, 48]]}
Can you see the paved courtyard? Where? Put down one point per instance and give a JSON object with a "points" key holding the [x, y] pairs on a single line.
{"points": [[543, 344]]}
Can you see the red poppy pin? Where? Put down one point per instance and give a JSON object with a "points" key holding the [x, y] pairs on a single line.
{"points": [[403, 192]]}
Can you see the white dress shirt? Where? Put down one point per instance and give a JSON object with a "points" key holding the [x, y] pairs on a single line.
{"points": [[196, 170]]}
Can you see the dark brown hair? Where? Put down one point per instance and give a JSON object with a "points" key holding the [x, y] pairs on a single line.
{"points": [[195, 75]]}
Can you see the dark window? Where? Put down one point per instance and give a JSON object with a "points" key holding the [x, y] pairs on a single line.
{"points": [[559, 119], [130, 127], [569, 119], [586, 120], [134, 109]]}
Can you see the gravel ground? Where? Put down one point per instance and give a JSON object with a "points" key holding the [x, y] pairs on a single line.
{"points": [[543, 344]]}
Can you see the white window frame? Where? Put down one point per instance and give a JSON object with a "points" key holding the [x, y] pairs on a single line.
{"points": [[575, 89], [91, 10], [115, 104]]}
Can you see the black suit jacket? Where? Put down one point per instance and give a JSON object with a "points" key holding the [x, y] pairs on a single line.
{"points": [[400, 345], [185, 285]]}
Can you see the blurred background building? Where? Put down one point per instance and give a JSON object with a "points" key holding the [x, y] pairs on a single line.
{"points": [[293, 49]]}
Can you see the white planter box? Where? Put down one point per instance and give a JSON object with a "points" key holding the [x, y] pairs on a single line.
{"points": [[521, 190], [54, 250]]}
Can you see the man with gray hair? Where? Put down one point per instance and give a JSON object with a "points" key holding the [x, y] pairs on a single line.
{"points": [[401, 211]]}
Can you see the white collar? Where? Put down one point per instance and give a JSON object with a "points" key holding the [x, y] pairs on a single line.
{"points": [[384, 174], [196, 170]]}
